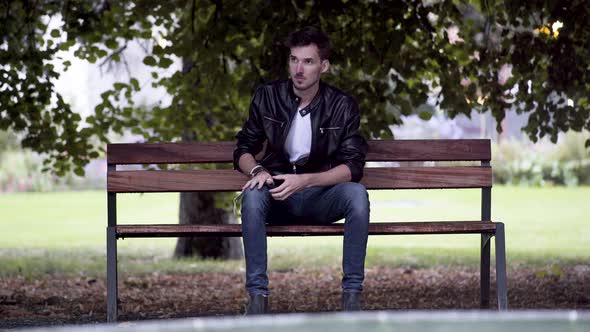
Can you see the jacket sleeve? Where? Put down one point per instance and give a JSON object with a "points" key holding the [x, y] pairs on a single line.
{"points": [[252, 136], [353, 147]]}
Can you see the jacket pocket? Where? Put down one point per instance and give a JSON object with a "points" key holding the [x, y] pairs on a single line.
{"points": [[328, 129], [275, 121]]}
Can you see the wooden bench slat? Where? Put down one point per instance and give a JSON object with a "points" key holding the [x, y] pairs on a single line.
{"points": [[222, 152], [170, 153], [430, 150], [378, 228], [231, 180], [175, 181], [427, 177]]}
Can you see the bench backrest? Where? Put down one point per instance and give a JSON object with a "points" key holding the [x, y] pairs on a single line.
{"points": [[411, 177]]}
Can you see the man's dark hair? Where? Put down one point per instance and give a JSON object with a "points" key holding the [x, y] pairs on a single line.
{"points": [[310, 35]]}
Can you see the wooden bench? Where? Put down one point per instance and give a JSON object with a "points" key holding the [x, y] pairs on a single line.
{"points": [[401, 177]]}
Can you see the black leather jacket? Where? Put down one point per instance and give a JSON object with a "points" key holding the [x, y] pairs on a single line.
{"points": [[335, 122]]}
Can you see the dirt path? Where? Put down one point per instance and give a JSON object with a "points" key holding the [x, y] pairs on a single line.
{"points": [[54, 300]]}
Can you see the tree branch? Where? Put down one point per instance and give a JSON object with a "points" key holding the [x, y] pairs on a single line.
{"points": [[110, 57], [126, 66]]}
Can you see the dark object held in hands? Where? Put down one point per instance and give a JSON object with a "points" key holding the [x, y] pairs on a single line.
{"points": [[277, 182]]}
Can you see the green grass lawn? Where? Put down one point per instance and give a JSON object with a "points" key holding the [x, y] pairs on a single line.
{"points": [[65, 232]]}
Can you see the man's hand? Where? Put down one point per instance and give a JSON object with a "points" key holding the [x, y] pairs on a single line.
{"points": [[293, 183], [258, 180]]}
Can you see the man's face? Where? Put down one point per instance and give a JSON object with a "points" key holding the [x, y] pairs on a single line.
{"points": [[305, 66]]}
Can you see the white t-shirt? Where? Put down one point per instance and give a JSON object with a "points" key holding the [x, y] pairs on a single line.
{"points": [[298, 143]]}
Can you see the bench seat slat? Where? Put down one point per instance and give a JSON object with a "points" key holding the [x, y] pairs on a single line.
{"points": [[377, 228], [170, 153], [230, 180], [222, 152]]}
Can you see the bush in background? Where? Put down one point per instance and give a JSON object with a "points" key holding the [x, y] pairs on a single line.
{"points": [[20, 170], [521, 162], [516, 160]]}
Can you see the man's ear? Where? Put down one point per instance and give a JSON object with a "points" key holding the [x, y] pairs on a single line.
{"points": [[325, 65]]}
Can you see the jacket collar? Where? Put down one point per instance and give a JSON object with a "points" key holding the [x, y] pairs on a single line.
{"points": [[315, 101]]}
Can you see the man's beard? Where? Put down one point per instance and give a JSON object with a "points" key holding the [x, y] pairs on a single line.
{"points": [[304, 85]]}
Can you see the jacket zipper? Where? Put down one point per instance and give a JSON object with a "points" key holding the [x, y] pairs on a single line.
{"points": [[275, 121], [328, 128]]}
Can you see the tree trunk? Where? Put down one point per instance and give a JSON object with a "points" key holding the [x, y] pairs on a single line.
{"points": [[198, 208]]}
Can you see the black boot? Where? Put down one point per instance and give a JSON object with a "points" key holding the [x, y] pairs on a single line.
{"points": [[351, 301], [257, 305]]}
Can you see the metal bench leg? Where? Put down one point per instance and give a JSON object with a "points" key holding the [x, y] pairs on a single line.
{"points": [[112, 293], [501, 268], [485, 272]]}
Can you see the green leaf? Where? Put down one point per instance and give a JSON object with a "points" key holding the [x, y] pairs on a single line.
{"points": [[405, 106], [119, 86], [135, 83], [541, 274], [425, 115], [66, 46], [112, 44], [79, 171], [55, 33], [557, 271], [149, 60], [165, 62]]}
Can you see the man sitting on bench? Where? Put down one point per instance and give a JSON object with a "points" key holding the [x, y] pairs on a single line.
{"points": [[309, 174]]}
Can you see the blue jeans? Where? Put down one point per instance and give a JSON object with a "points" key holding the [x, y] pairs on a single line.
{"points": [[316, 205]]}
